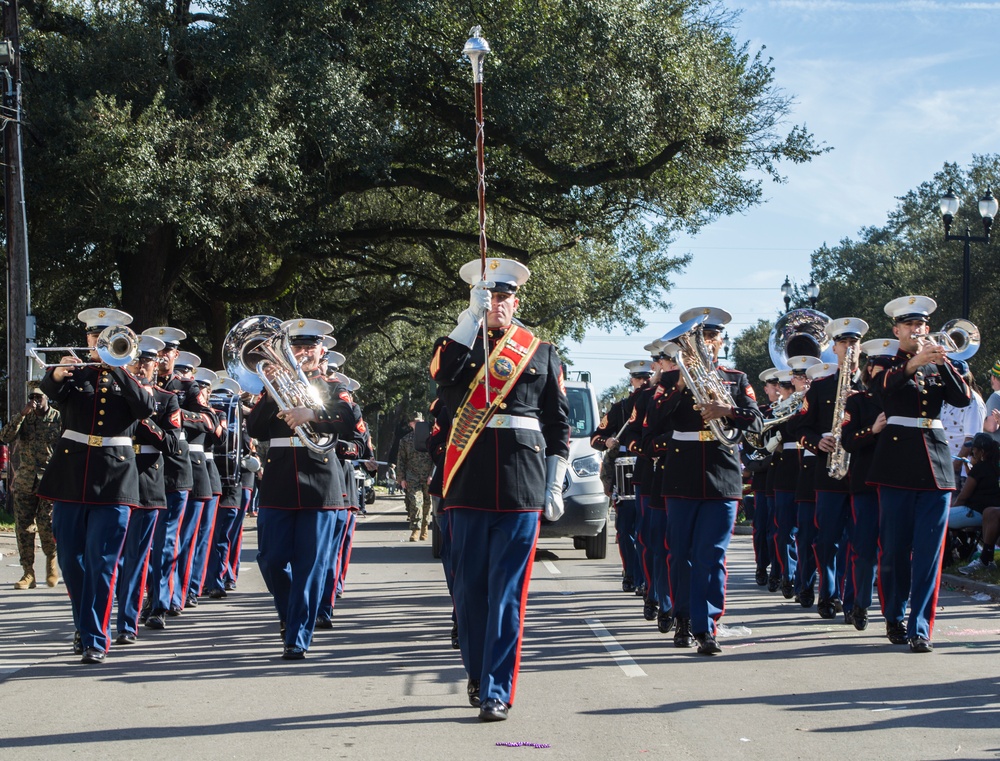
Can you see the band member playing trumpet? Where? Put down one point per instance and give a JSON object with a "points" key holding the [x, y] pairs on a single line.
{"points": [[301, 488], [702, 481], [92, 479], [813, 427], [912, 468]]}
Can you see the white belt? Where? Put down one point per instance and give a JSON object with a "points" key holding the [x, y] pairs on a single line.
{"points": [[791, 445], [914, 422], [147, 449], [209, 455], [294, 441], [514, 421], [693, 436], [98, 441], [196, 447]]}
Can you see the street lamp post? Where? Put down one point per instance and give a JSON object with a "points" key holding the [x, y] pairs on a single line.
{"points": [[786, 293], [812, 290], [949, 208]]}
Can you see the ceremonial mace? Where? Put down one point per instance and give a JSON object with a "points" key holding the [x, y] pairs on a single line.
{"points": [[476, 48]]}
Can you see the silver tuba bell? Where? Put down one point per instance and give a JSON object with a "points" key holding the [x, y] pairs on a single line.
{"points": [[800, 332], [257, 355]]}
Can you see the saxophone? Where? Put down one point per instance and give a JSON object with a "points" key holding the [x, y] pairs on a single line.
{"points": [[839, 459]]}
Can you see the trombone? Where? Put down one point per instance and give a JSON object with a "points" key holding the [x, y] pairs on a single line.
{"points": [[117, 346]]}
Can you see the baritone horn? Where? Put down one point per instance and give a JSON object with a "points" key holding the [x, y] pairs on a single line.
{"points": [[117, 346], [257, 355]]}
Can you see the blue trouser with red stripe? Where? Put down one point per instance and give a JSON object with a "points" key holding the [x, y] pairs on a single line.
{"points": [[805, 542], [332, 577], [626, 517], [346, 546], [833, 519], [762, 548], [89, 539], [864, 546], [698, 533], [785, 535], [644, 545], [492, 554], [163, 557], [132, 567], [185, 550], [660, 591], [294, 549], [236, 538], [912, 526], [202, 546]]}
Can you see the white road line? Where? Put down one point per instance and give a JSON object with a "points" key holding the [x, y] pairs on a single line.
{"points": [[622, 658], [551, 567]]}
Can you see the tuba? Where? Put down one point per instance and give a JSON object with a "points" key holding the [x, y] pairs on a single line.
{"points": [[798, 332], [257, 355], [686, 346]]}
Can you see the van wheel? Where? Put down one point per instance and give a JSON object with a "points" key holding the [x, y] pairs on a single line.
{"points": [[597, 546], [579, 542]]}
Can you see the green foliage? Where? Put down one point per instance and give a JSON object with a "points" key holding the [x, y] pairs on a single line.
{"points": [[612, 394], [751, 356], [316, 157]]}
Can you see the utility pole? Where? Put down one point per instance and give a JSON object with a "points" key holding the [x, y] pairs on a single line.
{"points": [[15, 220]]}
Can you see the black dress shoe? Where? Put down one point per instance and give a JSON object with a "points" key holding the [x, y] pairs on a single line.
{"points": [[707, 644], [920, 645], [293, 653], [683, 636], [896, 632], [760, 577], [849, 617], [649, 610], [217, 594], [665, 621], [806, 598], [787, 591], [192, 601], [230, 586], [773, 584], [77, 644], [125, 638], [838, 604], [627, 584], [640, 589], [155, 621], [281, 629], [173, 611], [826, 609], [493, 709], [455, 645], [860, 616], [472, 690], [324, 623], [93, 655]]}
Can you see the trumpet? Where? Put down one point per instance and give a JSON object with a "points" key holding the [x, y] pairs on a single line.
{"points": [[117, 346]]}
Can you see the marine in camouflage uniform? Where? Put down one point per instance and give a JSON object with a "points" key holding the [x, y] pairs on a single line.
{"points": [[35, 429], [413, 469]]}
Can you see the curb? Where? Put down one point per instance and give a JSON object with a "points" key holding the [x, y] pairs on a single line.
{"points": [[971, 585]]}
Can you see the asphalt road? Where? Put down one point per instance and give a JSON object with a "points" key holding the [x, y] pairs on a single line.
{"points": [[597, 681]]}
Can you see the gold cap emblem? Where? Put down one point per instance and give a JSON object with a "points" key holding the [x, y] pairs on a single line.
{"points": [[302, 323], [494, 264], [847, 322], [102, 313], [706, 311], [912, 300], [162, 331]]}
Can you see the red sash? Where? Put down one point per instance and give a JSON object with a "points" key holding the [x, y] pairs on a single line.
{"points": [[509, 358]]}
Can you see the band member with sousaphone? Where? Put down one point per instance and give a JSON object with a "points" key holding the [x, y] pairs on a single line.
{"points": [[504, 464]]}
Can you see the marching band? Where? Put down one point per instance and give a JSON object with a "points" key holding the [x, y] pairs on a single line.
{"points": [[847, 458]]}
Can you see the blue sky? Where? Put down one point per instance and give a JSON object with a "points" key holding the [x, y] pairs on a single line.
{"points": [[896, 88]]}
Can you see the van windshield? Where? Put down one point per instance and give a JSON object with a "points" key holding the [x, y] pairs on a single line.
{"points": [[581, 412]]}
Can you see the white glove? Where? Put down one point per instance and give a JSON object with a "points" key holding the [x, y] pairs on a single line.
{"points": [[773, 443], [466, 330], [555, 473], [480, 299]]}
